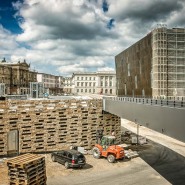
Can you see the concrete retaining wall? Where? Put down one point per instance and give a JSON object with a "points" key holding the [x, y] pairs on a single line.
{"points": [[167, 120]]}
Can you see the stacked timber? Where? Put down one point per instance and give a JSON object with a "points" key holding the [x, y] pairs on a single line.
{"points": [[50, 125], [27, 169]]}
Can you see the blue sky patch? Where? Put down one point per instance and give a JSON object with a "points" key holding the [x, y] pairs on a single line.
{"points": [[110, 24], [7, 19], [105, 6]]}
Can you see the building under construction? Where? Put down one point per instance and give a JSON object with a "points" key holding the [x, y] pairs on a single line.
{"points": [[153, 66]]}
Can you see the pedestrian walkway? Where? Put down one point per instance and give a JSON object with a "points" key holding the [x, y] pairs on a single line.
{"points": [[173, 144]]}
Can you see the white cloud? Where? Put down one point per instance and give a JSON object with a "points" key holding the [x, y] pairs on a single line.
{"points": [[8, 44], [65, 36]]}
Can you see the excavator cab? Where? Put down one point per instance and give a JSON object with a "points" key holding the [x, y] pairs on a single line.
{"points": [[107, 141], [107, 148]]}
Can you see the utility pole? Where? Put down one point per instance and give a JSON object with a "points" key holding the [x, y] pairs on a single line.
{"points": [[137, 131]]}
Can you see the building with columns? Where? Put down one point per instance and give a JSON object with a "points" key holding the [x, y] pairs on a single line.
{"points": [[106, 82], [17, 77], [68, 85], [103, 82]]}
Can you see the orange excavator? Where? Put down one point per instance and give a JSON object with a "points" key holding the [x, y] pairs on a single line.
{"points": [[107, 148]]}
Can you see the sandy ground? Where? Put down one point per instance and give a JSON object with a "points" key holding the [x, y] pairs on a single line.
{"points": [[95, 171], [93, 165], [54, 169]]}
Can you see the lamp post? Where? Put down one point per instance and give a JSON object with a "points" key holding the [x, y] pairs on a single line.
{"points": [[137, 131]]}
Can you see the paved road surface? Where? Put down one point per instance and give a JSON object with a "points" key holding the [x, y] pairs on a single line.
{"points": [[166, 162], [166, 156]]}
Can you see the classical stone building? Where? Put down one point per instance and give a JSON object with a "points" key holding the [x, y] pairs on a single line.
{"points": [[153, 66], [68, 85], [94, 83], [53, 84], [16, 77], [5, 77]]}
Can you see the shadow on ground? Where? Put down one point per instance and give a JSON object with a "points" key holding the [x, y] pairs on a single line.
{"points": [[165, 161], [85, 167]]}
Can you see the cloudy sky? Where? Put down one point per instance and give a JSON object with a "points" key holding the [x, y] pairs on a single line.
{"points": [[64, 36]]}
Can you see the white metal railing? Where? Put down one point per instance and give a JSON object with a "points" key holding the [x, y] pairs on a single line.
{"points": [[170, 102]]}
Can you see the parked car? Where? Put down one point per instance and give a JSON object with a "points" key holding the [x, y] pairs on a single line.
{"points": [[70, 158]]}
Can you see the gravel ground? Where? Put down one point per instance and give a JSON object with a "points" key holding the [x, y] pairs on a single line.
{"points": [[97, 171]]}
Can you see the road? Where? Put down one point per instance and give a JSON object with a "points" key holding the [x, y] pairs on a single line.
{"points": [[166, 162], [166, 155]]}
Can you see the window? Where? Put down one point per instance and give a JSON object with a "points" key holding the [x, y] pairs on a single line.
{"points": [[143, 92], [77, 90], [106, 91], [85, 78], [65, 154], [128, 65], [101, 84], [94, 84], [70, 156], [90, 90], [125, 89], [93, 90], [81, 78], [136, 81], [89, 78], [77, 78], [86, 84], [110, 83], [85, 90], [110, 91], [94, 78], [81, 90], [82, 83], [140, 69], [90, 84], [78, 83]]}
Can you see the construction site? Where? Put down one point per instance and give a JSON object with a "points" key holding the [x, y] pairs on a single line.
{"points": [[35, 133], [154, 164], [44, 126]]}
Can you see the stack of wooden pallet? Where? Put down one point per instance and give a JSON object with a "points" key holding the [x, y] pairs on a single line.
{"points": [[50, 125], [27, 169]]}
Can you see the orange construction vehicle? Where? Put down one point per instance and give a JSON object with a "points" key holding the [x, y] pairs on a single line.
{"points": [[107, 148]]}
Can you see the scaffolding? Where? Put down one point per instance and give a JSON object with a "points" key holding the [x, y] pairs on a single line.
{"points": [[168, 62]]}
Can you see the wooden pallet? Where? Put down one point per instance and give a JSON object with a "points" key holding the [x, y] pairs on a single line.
{"points": [[27, 169]]}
